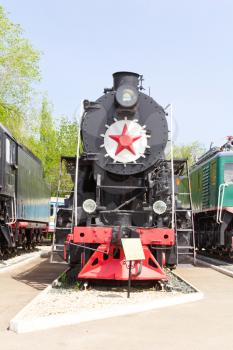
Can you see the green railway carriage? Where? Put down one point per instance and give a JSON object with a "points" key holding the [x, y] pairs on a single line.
{"points": [[212, 197]]}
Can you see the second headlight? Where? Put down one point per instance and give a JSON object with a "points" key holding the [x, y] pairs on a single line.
{"points": [[159, 207], [89, 206]]}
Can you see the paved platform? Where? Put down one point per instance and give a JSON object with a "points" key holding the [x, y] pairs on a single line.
{"points": [[21, 284], [205, 324]]}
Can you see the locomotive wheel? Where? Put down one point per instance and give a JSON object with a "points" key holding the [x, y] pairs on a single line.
{"points": [[39, 237], [13, 252], [6, 254], [33, 241], [19, 251], [220, 253], [25, 245]]}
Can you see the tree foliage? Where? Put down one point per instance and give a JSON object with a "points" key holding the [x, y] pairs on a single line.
{"points": [[190, 151], [37, 129], [51, 141], [19, 63], [19, 69]]}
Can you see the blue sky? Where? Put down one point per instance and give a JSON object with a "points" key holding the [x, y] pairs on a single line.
{"points": [[184, 49]]}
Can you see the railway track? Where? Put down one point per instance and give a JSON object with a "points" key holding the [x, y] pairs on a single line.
{"points": [[17, 251], [223, 265], [23, 257]]}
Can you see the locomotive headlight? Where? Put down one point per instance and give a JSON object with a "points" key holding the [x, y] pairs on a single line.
{"points": [[126, 96], [159, 207], [89, 206]]}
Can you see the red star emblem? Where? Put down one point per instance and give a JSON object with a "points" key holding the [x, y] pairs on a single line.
{"points": [[125, 141]]}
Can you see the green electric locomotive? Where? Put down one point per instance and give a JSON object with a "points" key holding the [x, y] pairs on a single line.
{"points": [[212, 196]]}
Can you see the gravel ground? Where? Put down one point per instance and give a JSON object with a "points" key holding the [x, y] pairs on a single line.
{"points": [[63, 301], [58, 301]]}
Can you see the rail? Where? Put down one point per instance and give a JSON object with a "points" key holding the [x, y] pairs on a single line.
{"points": [[169, 106], [82, 114]]}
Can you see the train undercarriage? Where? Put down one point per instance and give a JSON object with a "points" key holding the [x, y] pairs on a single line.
{"points": [[213, 237]]}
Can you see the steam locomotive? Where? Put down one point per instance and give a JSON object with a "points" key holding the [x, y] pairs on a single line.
{"points": [[122, 187]]}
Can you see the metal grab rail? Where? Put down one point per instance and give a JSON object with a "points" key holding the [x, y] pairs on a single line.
{"points": [[14, 212], [221, 193], [75, 204], [170, 108]]}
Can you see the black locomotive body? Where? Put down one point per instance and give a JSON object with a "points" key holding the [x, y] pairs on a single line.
{"points": [[24, 196], [123, 187]]}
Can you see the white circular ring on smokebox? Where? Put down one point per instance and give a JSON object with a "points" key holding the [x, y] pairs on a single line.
{"points": [[134, 129]]}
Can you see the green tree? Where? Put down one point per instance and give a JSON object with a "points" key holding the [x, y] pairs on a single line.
{"points": [[190, 151], [19, 69], [43, 140], [50, 141], [67, 135], [33, 126]]}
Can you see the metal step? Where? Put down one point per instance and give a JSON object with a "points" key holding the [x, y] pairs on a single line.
{"points": [[65, 208], [184, 230], [183, 210], [66, 191], [120, 187], [63, 228], [188, 253], [184, 193], [185, 247]]}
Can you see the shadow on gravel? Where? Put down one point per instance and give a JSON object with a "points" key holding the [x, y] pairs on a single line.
{"points": [[40, 276]]}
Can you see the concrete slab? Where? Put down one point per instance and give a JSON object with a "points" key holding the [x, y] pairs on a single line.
{"points": [[205, 324], [23, 322], [55, 307]]}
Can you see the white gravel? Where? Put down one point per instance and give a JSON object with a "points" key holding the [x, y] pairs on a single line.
{"points": [[63, 301], [56, 307]]}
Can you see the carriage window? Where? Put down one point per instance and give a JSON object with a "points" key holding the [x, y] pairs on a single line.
{"points": [[13, 153], [228, 172], [8, 151], [51, 209]]}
